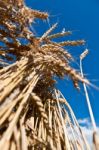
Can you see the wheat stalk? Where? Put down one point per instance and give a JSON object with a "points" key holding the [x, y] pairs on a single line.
{"points": [[33, 114]]}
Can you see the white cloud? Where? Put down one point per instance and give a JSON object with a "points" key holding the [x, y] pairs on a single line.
{"points": [[88, 132], [84, 121], [87, 129]]}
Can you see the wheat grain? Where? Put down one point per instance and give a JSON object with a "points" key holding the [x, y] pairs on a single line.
{"points": [[33, 114]]}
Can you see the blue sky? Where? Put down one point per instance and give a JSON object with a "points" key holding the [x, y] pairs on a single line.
{"points": [[81, 17]]}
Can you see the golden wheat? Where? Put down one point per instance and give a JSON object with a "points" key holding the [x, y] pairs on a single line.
{"points": [[33, 114]]}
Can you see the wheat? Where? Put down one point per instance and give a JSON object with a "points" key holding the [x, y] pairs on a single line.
{"points": [[33, 114]]}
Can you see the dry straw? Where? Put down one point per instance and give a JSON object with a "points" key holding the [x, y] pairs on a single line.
{"points": [[95, 134], [33, 114]]}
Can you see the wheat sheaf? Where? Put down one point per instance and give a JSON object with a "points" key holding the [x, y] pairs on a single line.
{"points": [[34, 115]]}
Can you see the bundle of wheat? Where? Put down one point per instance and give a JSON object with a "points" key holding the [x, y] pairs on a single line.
{"points": [[33, 114]]}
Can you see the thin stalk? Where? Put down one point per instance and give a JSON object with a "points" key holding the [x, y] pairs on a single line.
{"points": [[88, 100], [64, 127]]}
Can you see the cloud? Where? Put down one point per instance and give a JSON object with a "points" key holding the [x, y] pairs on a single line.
{"points": [[84, 121], [87, 129], [88, 132]]}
